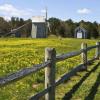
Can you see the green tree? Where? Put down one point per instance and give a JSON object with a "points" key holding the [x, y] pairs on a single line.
{"points": [[70, 26], [4, 27], [54, 25]]}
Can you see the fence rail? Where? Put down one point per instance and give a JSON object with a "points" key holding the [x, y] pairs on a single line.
{"points": [[50, 63], [63, 78], [22, 73]]}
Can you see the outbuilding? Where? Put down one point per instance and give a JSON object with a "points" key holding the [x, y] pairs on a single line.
{"points": [[81, 33], [38, 27]]}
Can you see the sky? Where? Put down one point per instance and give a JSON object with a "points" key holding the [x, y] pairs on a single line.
{"points": [[88, 10]]}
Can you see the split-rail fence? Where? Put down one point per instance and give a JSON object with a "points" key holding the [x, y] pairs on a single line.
{"points": [[50, 65]]}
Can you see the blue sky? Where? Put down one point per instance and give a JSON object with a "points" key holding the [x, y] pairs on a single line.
{"points": [[77, 10]]}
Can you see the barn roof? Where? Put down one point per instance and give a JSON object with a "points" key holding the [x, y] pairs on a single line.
{"points": [[81, 29]]}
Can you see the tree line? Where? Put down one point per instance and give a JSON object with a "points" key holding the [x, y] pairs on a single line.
{"points": [[56, 27], [67, 28]]}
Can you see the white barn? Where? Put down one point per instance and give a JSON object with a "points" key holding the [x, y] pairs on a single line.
{"points": [[81, 32]]}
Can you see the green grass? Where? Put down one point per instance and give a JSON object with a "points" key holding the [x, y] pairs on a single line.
{"points": [[16, 54]]}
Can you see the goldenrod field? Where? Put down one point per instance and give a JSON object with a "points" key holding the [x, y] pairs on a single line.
{"points": [[16, 54]]}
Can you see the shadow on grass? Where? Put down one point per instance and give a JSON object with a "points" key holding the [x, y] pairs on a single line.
{"points": [[94, 89], [69, 94]]}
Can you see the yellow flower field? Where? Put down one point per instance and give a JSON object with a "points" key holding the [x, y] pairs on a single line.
{"points": [[16, 54]]}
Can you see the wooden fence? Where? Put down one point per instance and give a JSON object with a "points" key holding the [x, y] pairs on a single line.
{"points": [[50, 64]]}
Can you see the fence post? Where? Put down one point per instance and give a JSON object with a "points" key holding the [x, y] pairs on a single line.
{"points": [[98, 50], [50, 54], [84, 56]]}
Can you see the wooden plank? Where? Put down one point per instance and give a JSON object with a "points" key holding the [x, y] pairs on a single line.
{"points": [[92, 47], [68, 55], [98, 50], [84, 56], [22, 73], [66, 77], [62, 57], [17, 29], [40, 94], [91, 61], [50, 54]]}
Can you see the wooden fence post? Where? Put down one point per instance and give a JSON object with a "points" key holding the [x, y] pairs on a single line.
{"points": [[50, 54], [98, 50], [84, 56]]}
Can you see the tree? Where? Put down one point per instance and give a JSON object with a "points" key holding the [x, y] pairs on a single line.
{"points": [[70, 26], [99, 30], [29, 27], [96, 32], [4, 27], [62, 30], [54, 25], [57, 27], [13, 22]]}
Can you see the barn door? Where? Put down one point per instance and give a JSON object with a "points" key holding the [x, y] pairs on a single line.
{"points": [[34, 31], [79, 35]]}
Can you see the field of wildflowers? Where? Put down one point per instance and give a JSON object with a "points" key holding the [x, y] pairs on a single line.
{"points": [[16, 54]]}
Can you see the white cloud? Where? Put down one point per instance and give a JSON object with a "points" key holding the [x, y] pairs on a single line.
{"points": [[8, 10], [84, 11]]}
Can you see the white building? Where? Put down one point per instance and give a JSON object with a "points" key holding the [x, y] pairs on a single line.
{"points": [[81, 33], [38, 27]]}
